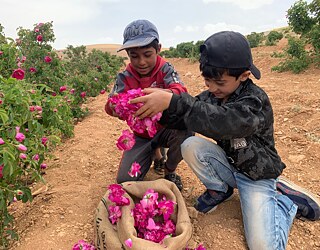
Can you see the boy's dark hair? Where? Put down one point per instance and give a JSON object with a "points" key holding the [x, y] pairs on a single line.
{"points": [[226, 51], [154, 44], [216, 73]]}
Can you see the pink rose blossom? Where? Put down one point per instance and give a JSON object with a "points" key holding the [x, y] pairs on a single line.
{"points": [[36, 157], [47, 59], [82, 245], [39, 38], [102, 91], [72, 91], [63, 88], [22, 147], [152, 225], [19, 136], [43, 166], [32, 108], [36, 30], [23, 156], [1, 141], [38, 108], [18, 74], [54, 94], [83, 94], [126, 140], [44, 141], [1, 52], [32, 70], [128, 242], [144, 213], [114, 214], [135, 170], [1, 170]]}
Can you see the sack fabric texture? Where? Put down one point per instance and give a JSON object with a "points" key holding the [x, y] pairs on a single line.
{"points": [[112, 237]]}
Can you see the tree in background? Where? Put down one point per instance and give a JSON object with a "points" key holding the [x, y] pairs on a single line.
{"points": [[255, 39], [304, 20]]}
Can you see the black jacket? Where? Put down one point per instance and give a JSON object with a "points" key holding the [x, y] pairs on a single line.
{"points": [[242, 126]]}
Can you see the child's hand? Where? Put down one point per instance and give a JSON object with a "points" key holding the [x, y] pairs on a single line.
{"points": [[155, 101]]}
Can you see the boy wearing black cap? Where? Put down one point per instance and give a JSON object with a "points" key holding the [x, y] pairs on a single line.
{"points": [[238, 116], [148, 69]]}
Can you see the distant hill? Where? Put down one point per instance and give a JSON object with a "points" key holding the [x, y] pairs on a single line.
{"points": [[111, 48]]}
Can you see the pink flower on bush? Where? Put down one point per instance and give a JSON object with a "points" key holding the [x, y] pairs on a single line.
{"points": [[18, 74], [36, 157], [22, 147], [47, 59], [82, 245], [1, 170], [23, 156], [43, 166], [1, 52], [135, 170], [1, 101], [32, 70], [19, 136], [102, 91], [126, 140], [63, 88], [72, 91], [36, 30], [54, 94], [38, 108], [32, 108], [44, 141], [83, 94], [1, 141], [39, 38]]}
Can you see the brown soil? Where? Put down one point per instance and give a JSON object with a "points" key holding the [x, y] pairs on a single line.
{"points": [[86, 164]]}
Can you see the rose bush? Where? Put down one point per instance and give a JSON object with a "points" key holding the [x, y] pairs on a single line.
{"points": [[40, 96]]}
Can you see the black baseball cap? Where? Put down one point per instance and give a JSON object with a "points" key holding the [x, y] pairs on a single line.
{"points": [[229, 50]]}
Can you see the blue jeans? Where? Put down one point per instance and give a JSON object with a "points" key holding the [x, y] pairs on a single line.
{"points": [[267, 215]]}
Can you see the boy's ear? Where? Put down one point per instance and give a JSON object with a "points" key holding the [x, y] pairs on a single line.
{"points": [[245, 75], [159, 47]]}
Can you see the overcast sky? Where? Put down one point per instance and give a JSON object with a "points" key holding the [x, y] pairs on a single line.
{"points": [[84, 22]]}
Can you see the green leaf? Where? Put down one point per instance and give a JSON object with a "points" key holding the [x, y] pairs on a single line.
{"points": [[4, 116]]}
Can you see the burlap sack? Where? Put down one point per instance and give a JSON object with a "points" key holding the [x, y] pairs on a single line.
{"points": [[112, 237]]}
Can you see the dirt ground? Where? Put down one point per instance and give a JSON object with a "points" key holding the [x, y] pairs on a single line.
{"points": [[63, 211]]}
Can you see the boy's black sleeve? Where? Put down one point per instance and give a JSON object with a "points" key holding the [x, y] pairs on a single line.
{"points": [[231, 120], [171, 118]]}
